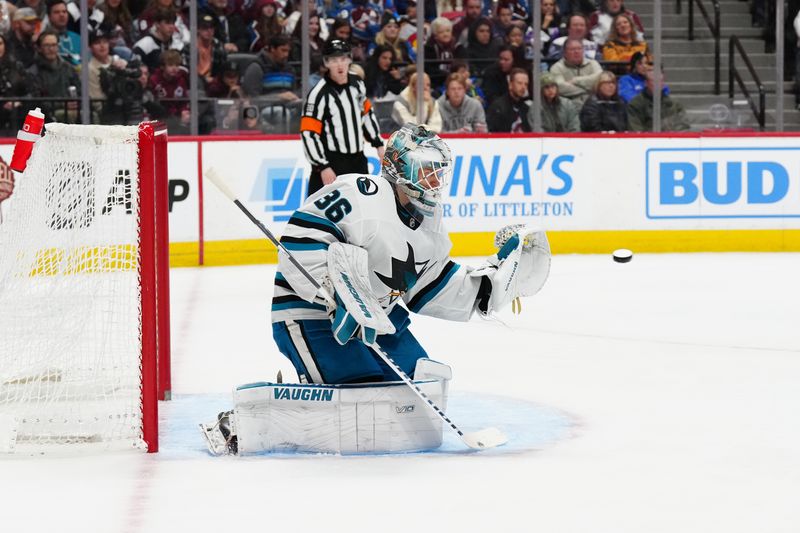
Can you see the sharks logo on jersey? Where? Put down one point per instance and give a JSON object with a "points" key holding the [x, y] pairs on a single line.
{"points": [[404, 275]]}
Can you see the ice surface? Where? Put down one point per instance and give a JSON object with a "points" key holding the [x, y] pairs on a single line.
{"points": [[662, 395]]}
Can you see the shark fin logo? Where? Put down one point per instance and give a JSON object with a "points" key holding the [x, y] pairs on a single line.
{"points": [[404, 274]]}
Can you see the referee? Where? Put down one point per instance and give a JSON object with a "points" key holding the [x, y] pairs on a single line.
{"points": [[337, 117]]}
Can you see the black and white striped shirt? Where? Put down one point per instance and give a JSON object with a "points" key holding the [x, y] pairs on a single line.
{"points": [[337, 118]]}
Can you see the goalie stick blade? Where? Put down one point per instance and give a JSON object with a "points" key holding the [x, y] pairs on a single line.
{"points": [[484, 439]]}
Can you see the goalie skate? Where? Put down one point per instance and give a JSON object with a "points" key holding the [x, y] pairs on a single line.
{"points": [[220, 436]]}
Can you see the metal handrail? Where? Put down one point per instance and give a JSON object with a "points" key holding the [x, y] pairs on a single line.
{"points": [[733, 74], [715, 28]]}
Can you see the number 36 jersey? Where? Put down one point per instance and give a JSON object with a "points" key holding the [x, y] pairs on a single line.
{"points": [[408, 258]]}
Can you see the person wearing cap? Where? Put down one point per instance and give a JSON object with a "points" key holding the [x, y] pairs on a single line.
{"points": [[21, 43], [389, 35], [250, 122], [101, 59], [229, 26], [337, 118], [559, 114], [211, 55], [38, 6]]}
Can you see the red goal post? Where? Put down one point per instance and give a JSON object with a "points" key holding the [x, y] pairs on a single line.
{"points": [[84, 292], [154, 274]]}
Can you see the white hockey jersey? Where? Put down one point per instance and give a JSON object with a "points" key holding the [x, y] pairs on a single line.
{"points": [[408, 258]]}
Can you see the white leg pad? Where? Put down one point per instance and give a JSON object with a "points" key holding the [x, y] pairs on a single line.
{"points": [[346, 419]]}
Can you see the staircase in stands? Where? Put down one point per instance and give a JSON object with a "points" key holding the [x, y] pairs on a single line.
{"points": [[689, 65]]}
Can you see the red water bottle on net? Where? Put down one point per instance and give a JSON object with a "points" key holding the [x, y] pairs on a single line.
{"points": [[26, 137]]}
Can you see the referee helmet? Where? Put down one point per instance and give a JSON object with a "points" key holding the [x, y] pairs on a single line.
{"points": [[336, 47]]}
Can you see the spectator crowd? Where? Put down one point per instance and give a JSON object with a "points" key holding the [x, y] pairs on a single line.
{"points": [[597, 71]]}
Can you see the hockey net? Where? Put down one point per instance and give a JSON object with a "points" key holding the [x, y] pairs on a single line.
{"points": [[84, 292]]}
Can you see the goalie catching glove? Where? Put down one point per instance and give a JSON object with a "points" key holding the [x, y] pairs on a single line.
{"points": [[519, 268], [357, 313]]}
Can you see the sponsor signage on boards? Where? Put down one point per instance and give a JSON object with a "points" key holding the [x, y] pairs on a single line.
{"points": [[723, 182]]}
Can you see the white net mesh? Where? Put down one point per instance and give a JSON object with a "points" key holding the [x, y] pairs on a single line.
{"points": [[70, 326]]}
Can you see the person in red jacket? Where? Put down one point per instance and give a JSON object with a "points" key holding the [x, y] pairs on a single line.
{"points": [[171, 81]]}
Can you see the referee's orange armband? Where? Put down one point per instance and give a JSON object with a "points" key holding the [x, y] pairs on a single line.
{"points": [[311, 124]]}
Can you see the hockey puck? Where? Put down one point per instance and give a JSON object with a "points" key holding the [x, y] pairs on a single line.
{"points": [[623, 255]]}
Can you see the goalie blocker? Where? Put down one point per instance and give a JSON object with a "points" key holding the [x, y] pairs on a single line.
{"points": [[346, 419]]}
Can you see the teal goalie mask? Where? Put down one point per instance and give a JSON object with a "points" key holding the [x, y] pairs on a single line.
{"points": [[419, 163]]}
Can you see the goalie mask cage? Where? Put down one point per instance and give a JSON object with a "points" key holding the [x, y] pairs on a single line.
{"points": [[84, 292]]}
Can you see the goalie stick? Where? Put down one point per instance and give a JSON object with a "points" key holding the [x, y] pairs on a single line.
{"points": [[478, 440]]}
